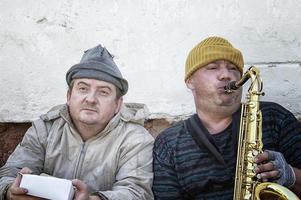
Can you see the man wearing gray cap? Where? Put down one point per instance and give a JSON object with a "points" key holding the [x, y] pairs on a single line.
{"points": [[94, 139]]}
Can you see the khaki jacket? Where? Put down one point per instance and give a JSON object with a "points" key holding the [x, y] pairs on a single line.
{"points": [[117, 162]]}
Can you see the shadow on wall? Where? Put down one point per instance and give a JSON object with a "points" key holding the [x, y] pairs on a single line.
{"points": [[12, 133]]}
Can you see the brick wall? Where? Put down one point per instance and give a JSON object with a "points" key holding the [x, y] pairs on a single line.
{"points": [[11, 134]]}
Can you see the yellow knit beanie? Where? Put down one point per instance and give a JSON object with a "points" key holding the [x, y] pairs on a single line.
{"points": [[210, 50]]}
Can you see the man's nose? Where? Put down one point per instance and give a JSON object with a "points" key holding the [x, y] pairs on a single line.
{"points": [[225, 74], [91, 98]]}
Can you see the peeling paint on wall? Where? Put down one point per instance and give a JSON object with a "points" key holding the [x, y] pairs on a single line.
{"points": [[40, 41]]}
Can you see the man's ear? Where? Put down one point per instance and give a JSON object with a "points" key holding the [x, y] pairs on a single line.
{"points": [[190, 83], [119, 104], [68, 96]]}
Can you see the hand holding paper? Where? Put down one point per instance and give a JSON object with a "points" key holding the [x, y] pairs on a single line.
{"points": [[47, 187]]}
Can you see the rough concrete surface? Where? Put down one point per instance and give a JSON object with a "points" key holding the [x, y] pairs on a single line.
{"points": [[41, 40]]}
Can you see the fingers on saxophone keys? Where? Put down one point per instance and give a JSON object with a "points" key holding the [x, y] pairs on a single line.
{"points": [[262, 157], [268, 175], [260, 178], [264, 167], [266, 171]]}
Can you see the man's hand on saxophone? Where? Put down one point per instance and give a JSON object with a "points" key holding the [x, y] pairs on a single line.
{"points": [[272, 166]]}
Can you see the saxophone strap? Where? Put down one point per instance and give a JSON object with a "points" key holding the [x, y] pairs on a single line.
{"points": [[203, 138], [200, 134]]}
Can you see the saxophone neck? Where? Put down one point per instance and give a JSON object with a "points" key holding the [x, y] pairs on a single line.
{"points": [[256, 82]]}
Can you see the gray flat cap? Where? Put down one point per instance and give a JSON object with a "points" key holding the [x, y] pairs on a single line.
{"points": [[97, 63]]}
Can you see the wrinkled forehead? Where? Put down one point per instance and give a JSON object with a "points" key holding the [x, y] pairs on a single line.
{"points": [[92, 83]]}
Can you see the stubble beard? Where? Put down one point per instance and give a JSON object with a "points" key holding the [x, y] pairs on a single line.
{"points": [[219, 106], [228, 107], [88, 118]]}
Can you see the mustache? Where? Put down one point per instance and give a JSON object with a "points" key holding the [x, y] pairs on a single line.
{"points": [[89, 108]]}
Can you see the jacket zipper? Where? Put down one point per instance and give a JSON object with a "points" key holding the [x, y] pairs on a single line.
{"points": [[79, 161]]}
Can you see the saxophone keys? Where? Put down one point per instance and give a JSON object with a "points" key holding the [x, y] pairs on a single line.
{"points": [[255, 152]]}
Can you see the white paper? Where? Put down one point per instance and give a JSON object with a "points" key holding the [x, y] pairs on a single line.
{"points": [[47, 187]]}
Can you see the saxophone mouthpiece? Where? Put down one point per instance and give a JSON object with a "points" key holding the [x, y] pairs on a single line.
{"points": [[230, 87]]}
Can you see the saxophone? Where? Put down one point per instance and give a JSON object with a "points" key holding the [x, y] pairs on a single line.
{"points": [[247, 185]]}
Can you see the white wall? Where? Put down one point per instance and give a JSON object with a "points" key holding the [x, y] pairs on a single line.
{"points": [[41, 40]]}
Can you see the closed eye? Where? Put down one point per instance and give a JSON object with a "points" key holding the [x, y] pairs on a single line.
{"points": [[233, 68], [211, 67]]}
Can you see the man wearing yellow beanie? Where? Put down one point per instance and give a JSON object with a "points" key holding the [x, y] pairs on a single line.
{"points": [[196, 158]]}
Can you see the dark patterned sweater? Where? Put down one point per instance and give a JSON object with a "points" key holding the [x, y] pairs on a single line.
{"points": [[183, 170]]}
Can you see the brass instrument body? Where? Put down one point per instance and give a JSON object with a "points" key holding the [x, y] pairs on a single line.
{"points": [[247, 186]]}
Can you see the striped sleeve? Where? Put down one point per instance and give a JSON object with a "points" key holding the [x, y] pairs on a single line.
{"points": [[282, 132], [290, 142], [165, 186]]}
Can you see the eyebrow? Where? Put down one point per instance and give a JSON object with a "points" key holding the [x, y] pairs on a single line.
{"points": [[98, 87], [101, 87], [81, 82]]}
